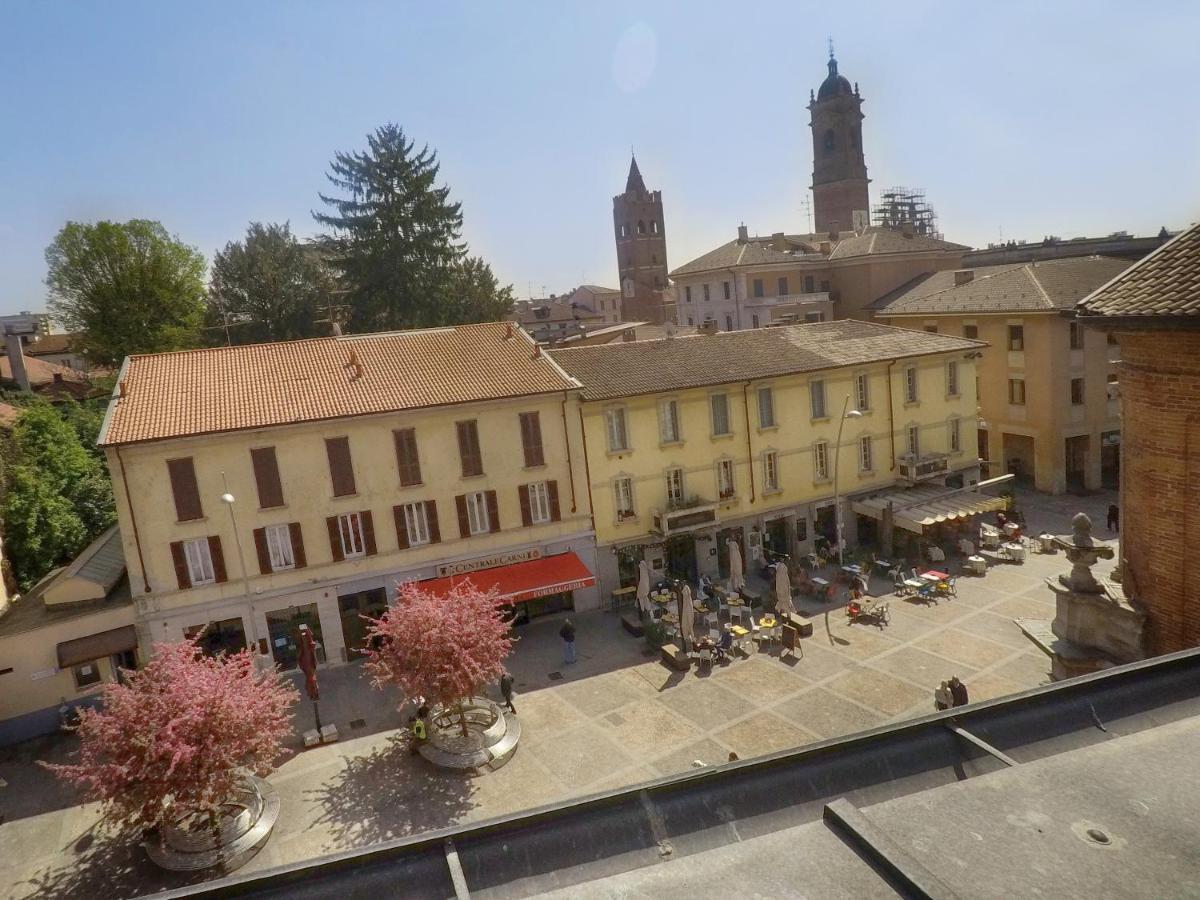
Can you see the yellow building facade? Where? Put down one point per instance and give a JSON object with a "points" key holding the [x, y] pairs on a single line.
{"points": [[681, 457]]}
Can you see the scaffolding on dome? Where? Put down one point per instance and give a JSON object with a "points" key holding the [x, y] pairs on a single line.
{"points": [[900, 207]]}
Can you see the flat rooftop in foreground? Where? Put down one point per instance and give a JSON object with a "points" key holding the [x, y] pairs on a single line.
{"points": [[1078, 789]]}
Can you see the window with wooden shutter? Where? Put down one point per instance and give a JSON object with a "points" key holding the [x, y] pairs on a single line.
{"points": [[262, 551], [341, 467], [266, 477], [435, 533], [407, 461], [368, 530], [401, 527], [298, 545], [552, 487], [218, 560], [464, 520], [468, 448], [493, 510], [335, 539], [531, 439], [526, 512], [179, 558], [185, 490]]}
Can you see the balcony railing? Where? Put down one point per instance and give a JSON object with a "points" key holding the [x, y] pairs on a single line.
{"points": [[815, 297], [922, 468], [694, 517]]}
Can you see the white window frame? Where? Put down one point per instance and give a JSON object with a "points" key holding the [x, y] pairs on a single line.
{"points": [[279, 547], [712, 407], [952, 378], [768, 420], [770, 470], [955, 436], [866, 462], [816, 389], [726, 479], [616, 429], [478, 521], [1011, 400], [350, 533], [911, 394], [912, 440], [821, 461], [623, 498], [862, 392], [539, 502], [416, 521], [675, 485], [199, 562], [669, 430]]}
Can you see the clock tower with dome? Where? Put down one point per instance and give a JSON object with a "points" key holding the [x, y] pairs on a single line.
{"points": [[840, 198]]}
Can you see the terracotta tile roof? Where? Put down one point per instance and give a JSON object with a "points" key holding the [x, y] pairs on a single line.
{"points": [[875, 241], [1019, 287], [756, 251], [608, 371], [50, 343], [1163, 285], [196, 392]]}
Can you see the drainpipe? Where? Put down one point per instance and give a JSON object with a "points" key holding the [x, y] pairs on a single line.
{"points": [[137, 540], [891, 416], [749, 449], [567, 441]]}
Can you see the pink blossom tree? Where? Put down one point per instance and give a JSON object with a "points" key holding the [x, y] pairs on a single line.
{"points": [[172, 740], [443, 647]]}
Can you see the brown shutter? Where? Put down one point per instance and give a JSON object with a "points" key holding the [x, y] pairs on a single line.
{"points": [[464, 523], [407, 461], [526, 512], [493, 510], [181, 566], [183, 486], [468, 448], [218, 559], [552, 489], [266, 477], [335, 539], [435, 534], [531, 439], [297, 537], [341, 468], [401, 527], [264, 552], [368, 527]]}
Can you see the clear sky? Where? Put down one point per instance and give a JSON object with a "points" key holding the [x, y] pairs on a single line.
{"points": [[1033, 118]]}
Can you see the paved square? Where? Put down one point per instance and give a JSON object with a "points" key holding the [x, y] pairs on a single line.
{"points": [[617, 717]]}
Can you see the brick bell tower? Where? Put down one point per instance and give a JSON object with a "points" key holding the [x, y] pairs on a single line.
{"points": [[641, 251], [839, 169]]}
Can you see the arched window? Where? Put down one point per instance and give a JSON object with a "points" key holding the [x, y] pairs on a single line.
{"points": [[654, 226], [829, 140], [641, 227], [625, 230]]}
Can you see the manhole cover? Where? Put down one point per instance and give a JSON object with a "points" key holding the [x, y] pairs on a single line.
{"points": [[358, 723], [556, 676]]}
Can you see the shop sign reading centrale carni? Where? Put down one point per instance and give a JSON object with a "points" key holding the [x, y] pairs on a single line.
{"points": [[488, 562]]}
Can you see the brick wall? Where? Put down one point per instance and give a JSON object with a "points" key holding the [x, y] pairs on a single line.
{"points": [[1160, 508]]}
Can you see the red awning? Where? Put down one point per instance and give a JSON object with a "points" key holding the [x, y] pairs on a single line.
{"points": [[525, 580]]}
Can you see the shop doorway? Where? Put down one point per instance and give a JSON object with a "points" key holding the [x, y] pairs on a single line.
{"points": [[825, 524], [225, 636], [1018, 457], [283, 625], [351, 609], [1077, 449], [776, 541], [723, 538], [527, 610], [681, 557], [627, 566]]}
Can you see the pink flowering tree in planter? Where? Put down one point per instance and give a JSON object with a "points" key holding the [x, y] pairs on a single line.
{"points": [[175, 743], [444, 648]]}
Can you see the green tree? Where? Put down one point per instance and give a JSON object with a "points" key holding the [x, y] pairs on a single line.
{"points": [[126, 288], [41, 530], [268, 287], [396, 240]]}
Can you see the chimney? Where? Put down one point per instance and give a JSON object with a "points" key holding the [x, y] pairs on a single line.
{"points": [[834, 234], [335, 329], [743, 234], [58, 379], [628, 335], [778, 242], [16, 360], [964, 276], [354, 365], [508, 331]]}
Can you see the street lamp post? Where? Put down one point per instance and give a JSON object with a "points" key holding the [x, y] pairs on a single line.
{"points": [[847, 413], [228, 499]]}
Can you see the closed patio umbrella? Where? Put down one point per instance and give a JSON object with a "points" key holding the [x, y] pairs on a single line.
{"points": [[737, 580], [783, 589], [687, 614], [643, 587]]}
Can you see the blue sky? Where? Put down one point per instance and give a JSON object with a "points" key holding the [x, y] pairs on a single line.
{"points": [[1034, 118]]}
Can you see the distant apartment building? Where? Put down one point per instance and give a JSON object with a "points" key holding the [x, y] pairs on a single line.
{"points": [[1047, 388], [552, 319]]}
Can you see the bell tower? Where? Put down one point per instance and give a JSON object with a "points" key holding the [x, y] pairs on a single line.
{"points": [[840, 197], [641, 251]]}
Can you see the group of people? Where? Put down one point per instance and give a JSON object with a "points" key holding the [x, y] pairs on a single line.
{"points": [[950, 693]]}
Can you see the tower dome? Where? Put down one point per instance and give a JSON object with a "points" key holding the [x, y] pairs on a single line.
{"points": [[834, 85]]}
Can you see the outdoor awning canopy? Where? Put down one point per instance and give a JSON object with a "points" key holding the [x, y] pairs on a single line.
{"points": [[524, 580], [916, 508], [96, 646]]}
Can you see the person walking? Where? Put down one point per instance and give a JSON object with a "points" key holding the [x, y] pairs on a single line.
{"points": [[506, 691], [1114, 517], [958, 692], [942, 698], [567, 633]]}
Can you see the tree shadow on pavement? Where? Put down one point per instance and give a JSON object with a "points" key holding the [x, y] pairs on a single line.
{"points": [[388, 794]]}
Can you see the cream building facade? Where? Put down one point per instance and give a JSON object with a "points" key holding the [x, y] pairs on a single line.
{"points": [[1049, 404], [264, 487], [697, 440]]}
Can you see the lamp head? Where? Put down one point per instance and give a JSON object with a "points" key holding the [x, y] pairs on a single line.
{"points": [[227, 498], [854, 414]]}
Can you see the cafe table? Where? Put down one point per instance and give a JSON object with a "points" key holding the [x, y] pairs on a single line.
{"points": [[934, 575]]}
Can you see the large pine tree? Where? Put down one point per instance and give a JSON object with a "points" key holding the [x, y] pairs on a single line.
{"points": [[396, 234]]}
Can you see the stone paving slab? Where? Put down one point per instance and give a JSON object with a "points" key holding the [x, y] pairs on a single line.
{"points": [[826, 714]]}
